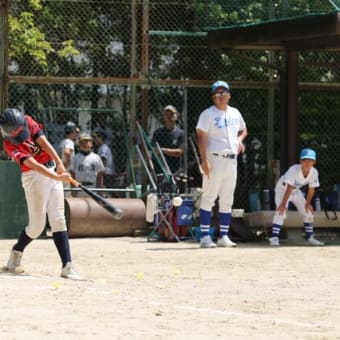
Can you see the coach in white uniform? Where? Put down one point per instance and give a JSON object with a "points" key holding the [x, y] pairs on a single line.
{"points": [[220, 132]]}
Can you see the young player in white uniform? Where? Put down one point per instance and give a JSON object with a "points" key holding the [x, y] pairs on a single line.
{"points": [[67, 149], [288, 190], [86, 166], [220, 132]]}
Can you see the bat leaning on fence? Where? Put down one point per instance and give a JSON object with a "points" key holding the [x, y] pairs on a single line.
{"points": [[193, 146], [116, 212]]}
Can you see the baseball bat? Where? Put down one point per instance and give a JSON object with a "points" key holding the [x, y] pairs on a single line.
{"points": [[196, 154], [116, 212], [154, 186]]}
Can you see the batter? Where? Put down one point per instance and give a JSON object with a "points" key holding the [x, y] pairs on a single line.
{"points": [[220, 133], [42, 175]]}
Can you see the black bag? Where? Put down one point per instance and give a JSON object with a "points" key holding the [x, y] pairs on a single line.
{"points": [[329, 202]]}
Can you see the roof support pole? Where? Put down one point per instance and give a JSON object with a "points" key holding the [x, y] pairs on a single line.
{"points": [[289, 111], [292, 106]]}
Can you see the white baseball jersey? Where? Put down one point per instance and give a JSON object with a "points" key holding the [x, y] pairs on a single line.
{"points": [[222, 128], [86, 168], [295, 178], [105, 152], [66, 143]]}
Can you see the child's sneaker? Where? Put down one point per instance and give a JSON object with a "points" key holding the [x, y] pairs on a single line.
{"points": [[206, 242], [314, 242], [14, 263], [68, 272], [274, 241], [225, 241]]}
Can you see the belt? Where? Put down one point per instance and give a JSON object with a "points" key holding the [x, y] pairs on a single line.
{"points": [[49, 164], [87, 183], [226, 155]]}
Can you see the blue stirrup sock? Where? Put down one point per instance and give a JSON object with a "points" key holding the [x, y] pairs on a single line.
{"points": [[22, 242], [276, 228], [225, 219], [308, 230], [205, 218], [61, 241]]}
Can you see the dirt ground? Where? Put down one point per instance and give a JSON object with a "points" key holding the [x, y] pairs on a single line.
{"points": [[134, 289]]}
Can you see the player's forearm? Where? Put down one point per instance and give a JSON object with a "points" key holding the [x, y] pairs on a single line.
{"points": [[287, 194], [173, 152], [36, 166], [310, 195], [202, 139], [242, 135]]}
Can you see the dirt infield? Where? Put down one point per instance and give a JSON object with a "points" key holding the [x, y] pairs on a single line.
{"points": [[134, 289]]}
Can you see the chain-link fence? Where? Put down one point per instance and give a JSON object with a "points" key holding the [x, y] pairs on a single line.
{"points": [[110, 63]]}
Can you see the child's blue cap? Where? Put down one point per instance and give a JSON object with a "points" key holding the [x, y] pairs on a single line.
{"points": [[308, 154]]}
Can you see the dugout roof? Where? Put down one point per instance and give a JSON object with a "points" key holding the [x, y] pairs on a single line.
{"points": [[313, 32]]}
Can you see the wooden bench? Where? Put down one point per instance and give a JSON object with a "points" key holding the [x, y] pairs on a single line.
{"points": [[264, 218]]}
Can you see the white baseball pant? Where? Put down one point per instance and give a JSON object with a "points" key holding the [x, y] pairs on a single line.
{"points": [[43, 195], [221, 183]]}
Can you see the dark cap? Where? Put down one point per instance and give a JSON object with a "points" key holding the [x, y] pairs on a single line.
{"points": [[71, 127], [98, 131]]}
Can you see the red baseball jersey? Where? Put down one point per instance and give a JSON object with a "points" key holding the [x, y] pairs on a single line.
{"points": [[28, 148]]}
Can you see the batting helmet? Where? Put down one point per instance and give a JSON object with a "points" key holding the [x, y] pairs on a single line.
{"points": [[308, 154], [13, 126]]}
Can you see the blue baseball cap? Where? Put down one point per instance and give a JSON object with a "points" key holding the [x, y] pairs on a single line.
{"points": [[219, 83], [308, 154]]}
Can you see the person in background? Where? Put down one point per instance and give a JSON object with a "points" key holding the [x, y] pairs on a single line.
{"points": [[170, 139], [221, 131], [42, 175], [288, 190], [67, 151], [86, 166], [67, 145], [103, 150]]}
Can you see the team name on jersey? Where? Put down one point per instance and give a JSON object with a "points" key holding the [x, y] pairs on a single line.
{"points": [[222, 122]]}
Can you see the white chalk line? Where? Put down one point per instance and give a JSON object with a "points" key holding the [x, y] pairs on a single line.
{"points": [[25, 276], [254, 316]]}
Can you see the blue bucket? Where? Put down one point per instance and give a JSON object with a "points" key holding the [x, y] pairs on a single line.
{"points": [[185, 211]]}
